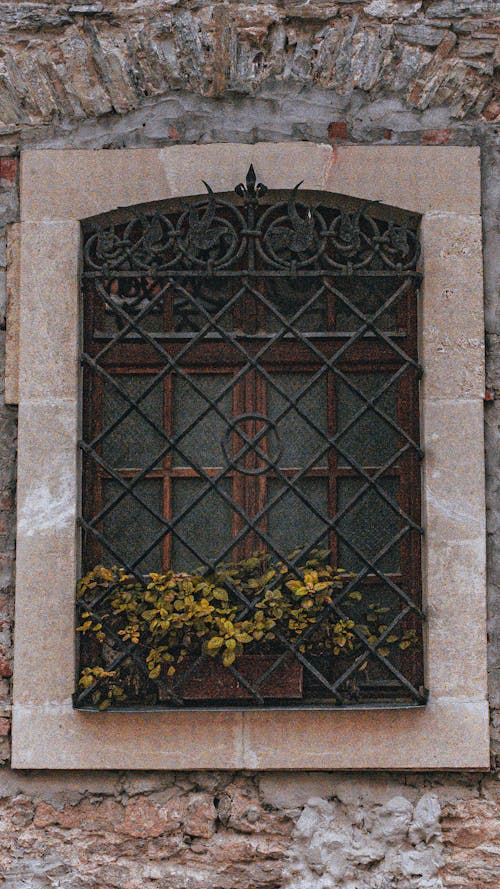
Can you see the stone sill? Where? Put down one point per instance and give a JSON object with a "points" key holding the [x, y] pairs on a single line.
{"points": [[446, 734]]}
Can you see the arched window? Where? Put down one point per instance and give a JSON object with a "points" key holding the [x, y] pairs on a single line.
{"points": [[251, 423], [354, 324]]}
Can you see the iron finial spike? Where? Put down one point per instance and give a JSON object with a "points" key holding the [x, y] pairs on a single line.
{"points": [[251, 179]]}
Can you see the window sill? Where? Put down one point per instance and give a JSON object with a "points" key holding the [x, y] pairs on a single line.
{"points": [[446, 734]]}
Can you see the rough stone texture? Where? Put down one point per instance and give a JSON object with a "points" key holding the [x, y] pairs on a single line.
{"points": [[152, 72], [230, 831], [68, 63]]}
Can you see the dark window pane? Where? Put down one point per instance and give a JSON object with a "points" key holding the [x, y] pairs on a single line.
{"points": [[130, 528], [206, 527], [134, 443], [369, 524], [291, 522], [300, 442], [208, 294], [367, 295], [203, 443], [288, 295], [371, 440]]}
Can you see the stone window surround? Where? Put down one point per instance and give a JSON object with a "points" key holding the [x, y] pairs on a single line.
{"points": [[59, 188]]}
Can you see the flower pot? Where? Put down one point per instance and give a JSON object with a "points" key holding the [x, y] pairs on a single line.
{"points": [[212, 681]]}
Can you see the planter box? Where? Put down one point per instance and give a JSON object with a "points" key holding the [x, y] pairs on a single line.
{"points": [[212, 681]]}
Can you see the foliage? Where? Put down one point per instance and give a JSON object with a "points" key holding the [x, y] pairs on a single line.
{"points": [[251, 605]]}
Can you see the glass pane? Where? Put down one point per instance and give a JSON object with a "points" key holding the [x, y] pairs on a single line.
{"points": [[203, 443], [211, 295], [206, 527], [300, 443], [291, 523], [371, 440], [367, 295], [130, 528], [134, 443], [369, 524], [288, 295]]}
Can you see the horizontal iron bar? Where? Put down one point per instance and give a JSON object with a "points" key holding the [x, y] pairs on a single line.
{"points": [[251, 273]]}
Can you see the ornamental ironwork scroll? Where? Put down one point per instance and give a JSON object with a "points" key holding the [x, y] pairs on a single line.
{"points": [[252, 286]]}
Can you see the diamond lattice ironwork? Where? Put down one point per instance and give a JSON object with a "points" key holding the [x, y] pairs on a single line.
{"points": [[251, 397]]}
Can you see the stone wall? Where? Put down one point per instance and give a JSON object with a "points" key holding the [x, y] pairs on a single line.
{"points": [[152, 72]]}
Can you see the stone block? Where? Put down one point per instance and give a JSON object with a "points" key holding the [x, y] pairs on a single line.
{"points": [[49, 312], [440, 735], [453, 497], [46, 549], [455, 627], [437, 178], [160, 740]]}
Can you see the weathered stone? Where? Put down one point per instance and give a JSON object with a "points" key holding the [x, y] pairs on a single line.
{"points": [[392, 9], [471, 833], [92, 816], [200, 815], [239, 808], [32, 16], [332, 848], [86, 9], [459, 8], [142, 820], [425, 825], [369, 57], [418, 34], [471, 48], [212, 50]]}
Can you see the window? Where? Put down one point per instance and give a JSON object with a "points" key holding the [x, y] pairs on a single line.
{"points": [[251, 392], [63, 194]]}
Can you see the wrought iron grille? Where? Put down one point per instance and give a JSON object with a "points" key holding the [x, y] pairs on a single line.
{"points": [[250, 378]]}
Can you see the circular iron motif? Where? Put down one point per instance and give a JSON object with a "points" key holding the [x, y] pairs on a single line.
{"points": [[266, 435]]}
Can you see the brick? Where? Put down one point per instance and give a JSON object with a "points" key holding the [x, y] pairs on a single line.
{"points": [[5, 668], [338, 130], [436, 137], [8, 169]]}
